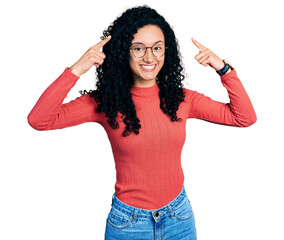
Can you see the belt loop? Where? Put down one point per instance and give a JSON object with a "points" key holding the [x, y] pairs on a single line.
{"points": [[170, 210], [135, 213]]}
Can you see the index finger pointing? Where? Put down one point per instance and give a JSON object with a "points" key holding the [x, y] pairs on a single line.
{"points": [[103, 42], [199, 45]]}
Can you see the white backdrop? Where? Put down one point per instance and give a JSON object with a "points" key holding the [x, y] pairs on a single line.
{"points": [[58, 184]]}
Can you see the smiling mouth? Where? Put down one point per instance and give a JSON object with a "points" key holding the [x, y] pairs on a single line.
{"points": [[148, 68]]}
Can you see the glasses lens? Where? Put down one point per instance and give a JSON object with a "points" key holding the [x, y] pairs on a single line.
{"points": [[159, 49], [138, 50]]}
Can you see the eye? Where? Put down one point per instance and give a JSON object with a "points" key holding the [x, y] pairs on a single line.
{"points": [[157, 48], [137, 48]]}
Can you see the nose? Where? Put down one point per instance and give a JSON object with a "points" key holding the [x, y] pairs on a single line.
{"points": [[149, 57]]}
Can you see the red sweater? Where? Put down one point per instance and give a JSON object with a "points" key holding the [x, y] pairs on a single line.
{"points": [[148, 166]]}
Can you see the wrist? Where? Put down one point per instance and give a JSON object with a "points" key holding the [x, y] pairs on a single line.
{"points": [[74, 71], [222, 65]]}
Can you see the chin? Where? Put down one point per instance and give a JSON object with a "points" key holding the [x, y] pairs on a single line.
{"points": [[148, 77]]}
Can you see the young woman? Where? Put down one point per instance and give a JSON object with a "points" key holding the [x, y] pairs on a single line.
{"points": [[142, 104]]}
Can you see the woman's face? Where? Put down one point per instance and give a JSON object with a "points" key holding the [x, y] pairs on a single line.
{"points": [[145, 69]]}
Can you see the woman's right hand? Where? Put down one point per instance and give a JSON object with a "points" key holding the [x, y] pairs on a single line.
{"points": [[93, 56]]}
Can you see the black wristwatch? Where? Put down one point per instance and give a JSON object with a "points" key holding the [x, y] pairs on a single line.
{"points": [[225, 68]]}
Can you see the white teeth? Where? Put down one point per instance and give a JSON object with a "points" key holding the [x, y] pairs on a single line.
{"points": [[148, 67]]}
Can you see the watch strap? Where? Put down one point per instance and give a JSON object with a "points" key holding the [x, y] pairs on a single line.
{"points": [[224, 69]]}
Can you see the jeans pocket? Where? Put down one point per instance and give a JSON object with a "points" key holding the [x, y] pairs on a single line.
{"points": [[118, 219], [184, 210]]}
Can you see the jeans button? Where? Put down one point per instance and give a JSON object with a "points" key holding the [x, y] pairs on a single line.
{"points": [[156, 214]]}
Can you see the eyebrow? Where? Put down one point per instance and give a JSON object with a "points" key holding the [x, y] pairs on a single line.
{"points": [[144, 44]]}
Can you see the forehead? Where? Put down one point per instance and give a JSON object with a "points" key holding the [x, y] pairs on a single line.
{"points": [[149, 34]]}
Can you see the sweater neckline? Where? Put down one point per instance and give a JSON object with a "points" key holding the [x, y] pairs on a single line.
{"points": [[145, 91]]}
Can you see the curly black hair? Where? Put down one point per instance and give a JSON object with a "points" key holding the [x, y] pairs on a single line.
{"points": [[115, 78]]}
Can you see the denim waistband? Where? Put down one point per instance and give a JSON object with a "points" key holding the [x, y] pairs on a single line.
{"points": [[144, 213]]}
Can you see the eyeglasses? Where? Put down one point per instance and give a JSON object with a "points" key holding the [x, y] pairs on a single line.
{"points": [[139, 49]]}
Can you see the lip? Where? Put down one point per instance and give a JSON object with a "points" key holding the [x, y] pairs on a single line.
{"points": [[148, 70]]}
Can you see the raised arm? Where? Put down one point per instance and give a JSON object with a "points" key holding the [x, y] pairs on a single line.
{"points": [[50, 112], [239, 112]]}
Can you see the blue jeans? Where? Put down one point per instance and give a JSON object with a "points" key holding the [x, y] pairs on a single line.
{"points": [[173, 221]]}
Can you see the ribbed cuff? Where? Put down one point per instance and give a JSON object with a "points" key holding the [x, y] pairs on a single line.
{"points": [[229, 75], [69, 74]]}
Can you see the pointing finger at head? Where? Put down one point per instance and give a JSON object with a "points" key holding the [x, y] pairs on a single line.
{"points": [[100, 54], [199, 45], [102, 43]]}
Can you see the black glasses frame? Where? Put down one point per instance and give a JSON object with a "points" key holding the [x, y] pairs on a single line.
{"points": [[146, 48]]}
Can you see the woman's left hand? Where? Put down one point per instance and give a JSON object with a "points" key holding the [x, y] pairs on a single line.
{"points": [[207, 58]]}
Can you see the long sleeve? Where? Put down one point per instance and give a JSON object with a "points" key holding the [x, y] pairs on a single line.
{"points": [[50, 113], [239, 112]]}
